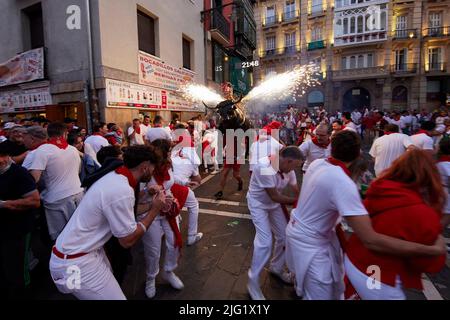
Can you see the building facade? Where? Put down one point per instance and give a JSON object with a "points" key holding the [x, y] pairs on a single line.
{"points": [[386, 54], [141, 52], [230, 41]]}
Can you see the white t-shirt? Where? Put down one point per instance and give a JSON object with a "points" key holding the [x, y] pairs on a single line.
{"points": [[60, 171], [444, 170], [106, 210], [28, 160], [263, 148], [183, 169], [265, 177], [96, 142], [313, 152], [387, 149], [327, 193], [351, 126], [138, 138], [158, 133], [144, 130], [423, 141]]}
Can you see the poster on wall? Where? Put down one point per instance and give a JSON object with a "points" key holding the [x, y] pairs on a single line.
{"points": [[130, 95], [25, 100], [24, 67], [155, 73]]}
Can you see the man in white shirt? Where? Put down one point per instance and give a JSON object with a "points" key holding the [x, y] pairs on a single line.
{"points": [[210, 148], [348, 123], [264, 147], [422, 139], [58, 165], [107, 210], [158, 132], [145, 126], [96, 141], [387, 148], [317, 148], [136, 133], [265, 202], [313, 250]]}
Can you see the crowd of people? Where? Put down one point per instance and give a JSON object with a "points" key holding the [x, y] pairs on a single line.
{"points": [[100, 194]]}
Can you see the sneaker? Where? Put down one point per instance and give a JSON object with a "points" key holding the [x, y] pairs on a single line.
{"points": [[218, 195], [173, 280], [284, 276], [240, 185], [150, 288], [194, 239]]}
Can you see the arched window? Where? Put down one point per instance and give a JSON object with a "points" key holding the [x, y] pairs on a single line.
{"points": [[352, 25], [352, 62], [400, 94], [315, 98], [360, 24], [360, 61]]}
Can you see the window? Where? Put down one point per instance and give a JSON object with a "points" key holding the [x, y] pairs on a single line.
{"points": [[400, 59], [360, 24], [187, 54], [146, 33], [383, 20], [218, 63], [289, 39], [344, 63], [270, 15], [435, 23], [352, 25], [369, 60], [316, 6], [289, 9], [434, 58], [316, 34], [346, 26], [352, 62], [360, 61], [270, 43], [35, 27]]}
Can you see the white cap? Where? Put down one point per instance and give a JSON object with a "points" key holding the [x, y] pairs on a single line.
{"points": [[10, 125]]}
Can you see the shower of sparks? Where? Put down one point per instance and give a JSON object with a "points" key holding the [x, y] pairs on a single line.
{"points": [[198, 93], [285, 85]]}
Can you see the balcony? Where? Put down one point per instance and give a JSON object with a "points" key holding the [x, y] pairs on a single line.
{"points": [[290, 16], [437, 32], [218, 25], [269, 21], [286, 51], [314, 45], [360, 73], [404, 68], [436, 67], [360, 38], [404, 34]]}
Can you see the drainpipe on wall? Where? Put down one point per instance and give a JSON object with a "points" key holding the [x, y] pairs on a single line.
{"points": [[92, 101]]}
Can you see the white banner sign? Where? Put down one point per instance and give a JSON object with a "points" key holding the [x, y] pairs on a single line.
{"points": [[130, 95], [155, 73], [25, 100], [25, 67]]}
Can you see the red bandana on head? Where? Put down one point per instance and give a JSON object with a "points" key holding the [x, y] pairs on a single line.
{"points": [[60, 142], [127, 173]]}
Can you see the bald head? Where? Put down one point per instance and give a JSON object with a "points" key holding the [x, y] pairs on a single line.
{"points": [[322, 134]]}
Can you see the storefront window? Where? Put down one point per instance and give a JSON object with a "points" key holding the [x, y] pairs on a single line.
{"points": [[218, 63]]}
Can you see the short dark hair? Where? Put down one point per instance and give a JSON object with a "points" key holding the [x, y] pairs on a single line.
{"points": [[444, 146], [134, 120], [146, 117], [56, 129], [157, 119], [339, 122], [110, 125], [346, 146], [72, 137], [291, 152], [108, 152], [347, 115], [428, 125], [98, 126], [5, 149], [391, 127], [135, 155]]}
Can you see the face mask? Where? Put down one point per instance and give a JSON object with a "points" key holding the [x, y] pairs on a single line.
{"points": [[6, 168]]}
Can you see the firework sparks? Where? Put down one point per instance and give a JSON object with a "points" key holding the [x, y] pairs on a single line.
{"points": [[285, 85], [198, 93]]}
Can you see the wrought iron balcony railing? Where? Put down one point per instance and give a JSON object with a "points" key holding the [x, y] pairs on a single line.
{"points": [[290, 15], [402, 68], [404, 34], [436, 66], [438, 31]]}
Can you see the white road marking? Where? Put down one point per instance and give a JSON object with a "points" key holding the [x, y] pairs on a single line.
{"points": [[204, 180], [224, 213], [229, 203], [429, 290]]}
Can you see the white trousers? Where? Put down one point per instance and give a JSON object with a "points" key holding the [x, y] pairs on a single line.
{"points": [[267, 222], [369, 288], [193, 207], [152, 240], [87, 278], [209, 159]]}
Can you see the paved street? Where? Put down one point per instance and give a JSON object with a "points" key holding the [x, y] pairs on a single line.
{"points": [[216, 267]]}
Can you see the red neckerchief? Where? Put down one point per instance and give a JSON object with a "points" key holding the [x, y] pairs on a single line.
{"points": [[386, 133], [60, 142], [422, 131], [339, 163], [320, 145], [97, 134], [157, 125], [444, 158], [127, 173], [137, 130], [162, 174]]}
